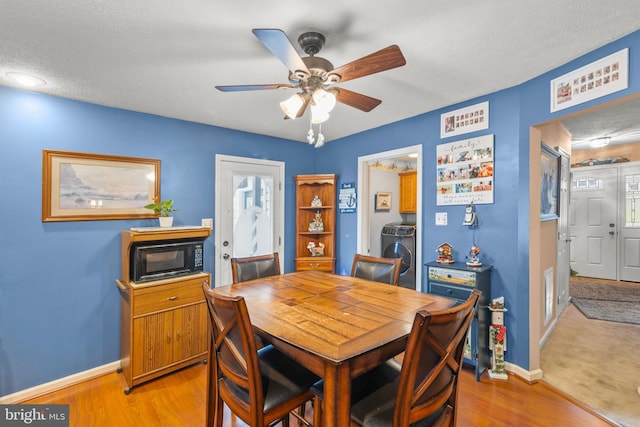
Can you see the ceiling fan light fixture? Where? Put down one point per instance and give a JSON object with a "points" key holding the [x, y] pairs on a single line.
{"points": [[600, 142], [318, 115], [292, 105], [324, 100]]}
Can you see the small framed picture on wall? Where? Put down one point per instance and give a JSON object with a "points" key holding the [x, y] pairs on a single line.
{"points": [[383, 201]]}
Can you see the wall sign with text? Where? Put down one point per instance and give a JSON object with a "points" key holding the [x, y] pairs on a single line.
{"points": [[465, 172]]}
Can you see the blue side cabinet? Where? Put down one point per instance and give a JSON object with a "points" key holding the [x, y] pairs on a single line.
{"points": [[456, 281]]}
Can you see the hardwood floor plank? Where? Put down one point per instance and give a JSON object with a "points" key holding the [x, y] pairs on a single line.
{"points": [[178, 399]]}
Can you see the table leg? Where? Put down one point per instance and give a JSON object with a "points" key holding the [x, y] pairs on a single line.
{"points": [[337, 395]]}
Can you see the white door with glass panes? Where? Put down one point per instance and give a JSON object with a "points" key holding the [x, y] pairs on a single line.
{"points": [[592, 221], [249, 211], [629, 230], [605, 221]]}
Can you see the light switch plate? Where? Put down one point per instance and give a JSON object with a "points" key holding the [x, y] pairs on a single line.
{"points": [[441, 218]]}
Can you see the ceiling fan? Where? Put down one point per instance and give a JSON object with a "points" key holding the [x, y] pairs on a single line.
{"points": [[315, 77]]}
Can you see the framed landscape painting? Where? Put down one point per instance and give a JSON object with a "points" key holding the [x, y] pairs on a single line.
{"points": [[85, 187]]}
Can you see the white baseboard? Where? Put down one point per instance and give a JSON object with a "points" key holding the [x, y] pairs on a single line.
{"points": [[529, 376], [58, 384]]}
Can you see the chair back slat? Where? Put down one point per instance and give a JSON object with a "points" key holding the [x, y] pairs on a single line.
{"points": [[433, 358], [249, 268], [235, 357], [385, 270]]}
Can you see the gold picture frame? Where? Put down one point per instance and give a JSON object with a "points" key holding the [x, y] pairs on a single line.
{"points": [[87, 187], [383, 201]]}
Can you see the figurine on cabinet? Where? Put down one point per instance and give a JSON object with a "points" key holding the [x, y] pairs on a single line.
{"points": [[316, 202], [445, 254], [474, 260], [316, 250], [316, 224]]}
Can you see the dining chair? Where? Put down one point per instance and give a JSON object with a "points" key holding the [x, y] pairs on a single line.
{"points": [[422, 390], [261, 387], [385, 270], [249, 268]]}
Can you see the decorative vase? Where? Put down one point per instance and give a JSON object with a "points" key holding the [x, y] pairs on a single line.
{"points": [[166, 221]]}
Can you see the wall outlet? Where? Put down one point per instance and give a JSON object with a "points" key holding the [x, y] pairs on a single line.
{"points": [[207, 222]]}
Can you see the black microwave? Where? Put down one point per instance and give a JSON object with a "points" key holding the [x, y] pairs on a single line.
{"points": [[165, 259]]}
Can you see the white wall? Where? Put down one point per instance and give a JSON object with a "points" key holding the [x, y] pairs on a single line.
{"points": [[389, 182]]}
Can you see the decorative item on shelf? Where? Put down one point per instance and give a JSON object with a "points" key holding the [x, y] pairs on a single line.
{"points": [[163, 208], [316, 224], [316, 250], [497, 339], [445, 255], [474, 260], [316, 202]]}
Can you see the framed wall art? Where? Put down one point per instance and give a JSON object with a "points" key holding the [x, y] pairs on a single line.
{"points": [[549, 168], [383, 201], [465, 172], [465, 120], [607, 75], [86, 187]]}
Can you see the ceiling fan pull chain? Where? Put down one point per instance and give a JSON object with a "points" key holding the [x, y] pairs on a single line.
{"points": [[310, 134], [320, 140]]}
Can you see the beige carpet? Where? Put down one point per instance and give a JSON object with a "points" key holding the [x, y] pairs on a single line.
{"points": [[597, 362]]}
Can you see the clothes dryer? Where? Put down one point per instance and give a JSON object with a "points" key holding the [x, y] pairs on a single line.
{"points": [[399, 241]]}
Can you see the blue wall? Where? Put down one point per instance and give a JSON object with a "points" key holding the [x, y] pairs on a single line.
{"points": [[59, 306]]}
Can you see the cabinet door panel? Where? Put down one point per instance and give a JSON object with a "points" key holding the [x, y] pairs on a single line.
{"points": [[153, 340], [190, 331]]}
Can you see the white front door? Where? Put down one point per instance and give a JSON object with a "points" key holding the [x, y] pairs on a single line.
{"points": [[249, 211], [592, 224], [629, 223]]}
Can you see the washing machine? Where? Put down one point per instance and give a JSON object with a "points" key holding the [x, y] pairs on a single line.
{"points": [[399, 241]]}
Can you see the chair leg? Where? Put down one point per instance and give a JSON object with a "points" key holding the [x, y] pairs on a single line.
{"points": [[317, 411]]}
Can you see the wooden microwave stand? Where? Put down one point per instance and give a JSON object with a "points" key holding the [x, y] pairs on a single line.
{"points": [[163, 323]]}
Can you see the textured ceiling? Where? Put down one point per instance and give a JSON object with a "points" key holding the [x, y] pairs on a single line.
{"points": [[165, 57]]}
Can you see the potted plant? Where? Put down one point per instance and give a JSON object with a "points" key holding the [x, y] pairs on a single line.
{"points": [[163, 208]]}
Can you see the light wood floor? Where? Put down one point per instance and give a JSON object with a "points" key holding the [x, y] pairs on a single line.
{"points": [[178, 399]]}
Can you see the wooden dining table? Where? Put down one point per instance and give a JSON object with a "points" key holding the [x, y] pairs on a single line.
{"points": [[336, 326]]}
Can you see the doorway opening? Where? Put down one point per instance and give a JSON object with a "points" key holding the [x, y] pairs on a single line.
{"points": [[372, 221]]}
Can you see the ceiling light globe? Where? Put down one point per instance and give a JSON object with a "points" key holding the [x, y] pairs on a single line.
{"points": [[318, 116], [292, 106], [324, 100]]}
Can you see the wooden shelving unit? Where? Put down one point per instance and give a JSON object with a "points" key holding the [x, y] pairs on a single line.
{"points": [[307, 188]]}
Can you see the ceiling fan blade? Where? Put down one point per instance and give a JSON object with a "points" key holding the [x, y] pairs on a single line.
{"points": [[277, 42], [356, 100], [239, 88], [382, 60]]}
